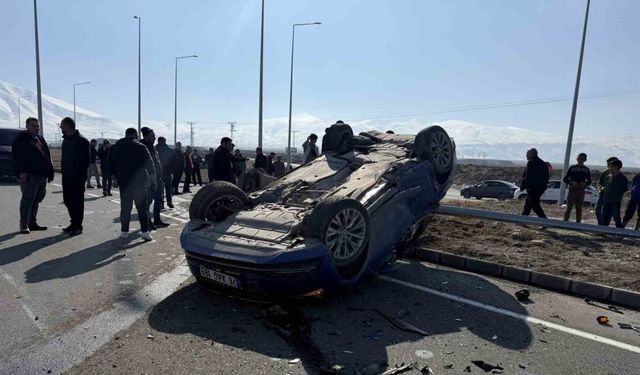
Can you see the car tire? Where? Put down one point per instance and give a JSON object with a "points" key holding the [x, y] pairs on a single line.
{"points": [[435, 145], [466, 195], [342, 224], [216, 201], [502, 197], [337, 138]]}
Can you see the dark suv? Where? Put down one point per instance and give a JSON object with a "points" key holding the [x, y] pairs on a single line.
{"points": [[6, 139], [501, 190]]}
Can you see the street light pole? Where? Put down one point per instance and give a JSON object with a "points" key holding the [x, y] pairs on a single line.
{"points": [[293, 39], [261, 68], [175, 112], [139, 76], [38, 83], [574, 108], [74, 97]]}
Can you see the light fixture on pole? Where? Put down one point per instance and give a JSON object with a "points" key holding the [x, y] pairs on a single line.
{"points": [[38, 83], [19, 105], [293, 39], [261, 68], [175, 112], [574, 108], [74, 97], [139, 77]]}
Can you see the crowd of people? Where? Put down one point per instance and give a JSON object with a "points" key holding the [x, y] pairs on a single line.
{"points": [[147, 174], [612, 185]]}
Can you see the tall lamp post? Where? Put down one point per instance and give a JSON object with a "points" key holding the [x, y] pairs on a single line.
{"points": [[293, 39], [38, 83], [567, 154], [261, 66], [74, 97], [19, 109], [139, 77], [175, 112]]}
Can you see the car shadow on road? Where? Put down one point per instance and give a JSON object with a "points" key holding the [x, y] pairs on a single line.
{"points": [[348, 328], [82, 261], [24, 249]]}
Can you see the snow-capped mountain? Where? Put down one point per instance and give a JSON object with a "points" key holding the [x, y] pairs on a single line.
{"points": [[474, 141]]}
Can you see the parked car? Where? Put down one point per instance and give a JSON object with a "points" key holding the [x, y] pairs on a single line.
{"points": [[553, 192], [497, 189], [6, 161], [324, 225]]}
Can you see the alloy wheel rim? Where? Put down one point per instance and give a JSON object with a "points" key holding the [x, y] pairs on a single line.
{"points": [[346, 233]]}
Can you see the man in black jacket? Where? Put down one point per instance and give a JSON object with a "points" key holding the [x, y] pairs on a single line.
{"points": [[32, 164], [208, 159], [155, 195], [103, 155], [196, 176], [75, 163], [534, 180], [261, 160], [177, 172], [168, 163], [93, 167], [222, 165], [131, 163]]}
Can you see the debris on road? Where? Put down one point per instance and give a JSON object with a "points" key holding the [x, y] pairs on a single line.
{"points": [[294, 361], [615, 309], [487, 366], [449, 366], [150, 337], [401, 324], [522, 366], [603, 319], [426, 370], [399, 369], [629, 326], [523, 295], [424, 354]]}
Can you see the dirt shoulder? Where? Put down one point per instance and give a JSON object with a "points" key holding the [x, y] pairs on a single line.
{"points": [[583, 256]]}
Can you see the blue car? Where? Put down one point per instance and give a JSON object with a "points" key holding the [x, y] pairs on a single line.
{"points": [[324, 225]]}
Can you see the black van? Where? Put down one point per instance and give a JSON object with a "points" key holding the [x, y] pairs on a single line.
{"points": [[6, 139]]}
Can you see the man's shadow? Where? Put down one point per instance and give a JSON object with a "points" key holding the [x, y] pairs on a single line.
{"points": [[79, 262], [348, 328], [22, 250]]}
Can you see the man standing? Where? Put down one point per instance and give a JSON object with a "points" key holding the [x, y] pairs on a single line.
{"points": [[76, 157], [32, 164], [634, 203], [261, 160], [602, 182], [177, 173], [310, 148], [270, 169], [278, 166], [239, 163], [222, 165], [616, 184], [208, 159], [534, 180], [578, 177], [196, 176], [155, 195], [131, 163], [168, 164], [103, 155], [188, 170], [93, 167]]}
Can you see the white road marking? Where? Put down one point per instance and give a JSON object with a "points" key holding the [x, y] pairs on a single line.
{"points": [[37, 322], [528, 319], [165, 215], [54, 184], [93, 195]]}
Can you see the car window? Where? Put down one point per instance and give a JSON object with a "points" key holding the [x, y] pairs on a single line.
{"points": [[553, 185], [7, 136]]}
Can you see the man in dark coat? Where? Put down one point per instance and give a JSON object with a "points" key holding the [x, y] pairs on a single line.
{"points": [[32, 164], [168, 163], [179, 169], [616, 184], [93, 166], [262, 162], [76, 157], [103, 155], [577, 178], [131, 163], [196, 176], [534, 180], [239, 163], [271, 170], [208, 159], [188, 170], [155, 195], [222, 165]]}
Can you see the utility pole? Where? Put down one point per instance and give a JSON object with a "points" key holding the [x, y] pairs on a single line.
{"points": [[261, 65], [38, 84], [139, 77], [191, 123], [232, 128], [574, 108]]}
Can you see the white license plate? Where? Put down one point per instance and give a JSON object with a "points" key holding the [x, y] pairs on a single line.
{"points": [[220, 277]]}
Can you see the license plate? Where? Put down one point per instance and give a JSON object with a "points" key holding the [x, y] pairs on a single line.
{"points": [[220, 277]]}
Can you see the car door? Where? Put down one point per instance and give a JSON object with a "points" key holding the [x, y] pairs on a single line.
{"points": [[553, 189], [482, 190]]}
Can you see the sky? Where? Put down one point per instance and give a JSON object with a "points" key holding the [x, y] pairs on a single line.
{"points": [[369, 59]]}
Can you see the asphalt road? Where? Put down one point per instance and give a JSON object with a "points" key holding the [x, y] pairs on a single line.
{"points": [[108, 306]]}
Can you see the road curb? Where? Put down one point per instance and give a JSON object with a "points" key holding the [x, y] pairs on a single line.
{"points": [[540, 279]]}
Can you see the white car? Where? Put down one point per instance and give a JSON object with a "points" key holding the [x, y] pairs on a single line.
{"points": [[553, 191]]}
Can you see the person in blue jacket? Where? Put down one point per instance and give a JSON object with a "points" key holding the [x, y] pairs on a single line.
{"points": [[634, 203]]}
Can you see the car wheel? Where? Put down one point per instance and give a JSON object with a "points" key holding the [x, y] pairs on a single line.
{"points": [[466, 195], [216, 201], [342, 223], [336, 138], [502, 197], [435, 145]]}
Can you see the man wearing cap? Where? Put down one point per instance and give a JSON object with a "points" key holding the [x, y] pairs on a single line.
{"points": [[155, 195]]}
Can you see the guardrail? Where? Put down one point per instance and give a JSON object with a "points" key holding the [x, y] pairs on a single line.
{"points": [[529, 220]]}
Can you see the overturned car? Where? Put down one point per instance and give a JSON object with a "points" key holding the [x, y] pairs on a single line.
{"points": [[324, 225]]}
